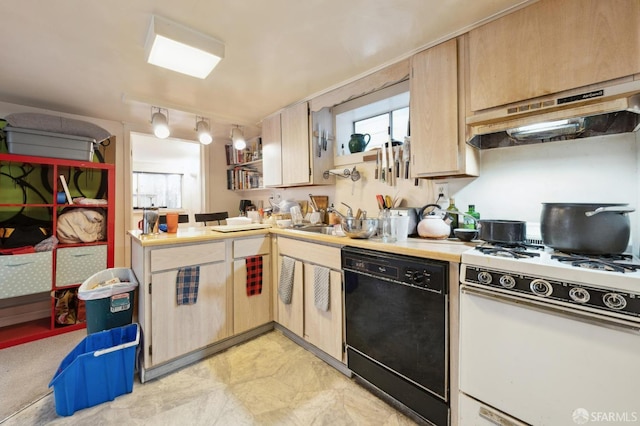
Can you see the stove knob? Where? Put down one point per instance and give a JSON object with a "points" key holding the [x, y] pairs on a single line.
{"points": [[540, 287], [579, 295], [485, 277], [614, 301], [507, 281]]}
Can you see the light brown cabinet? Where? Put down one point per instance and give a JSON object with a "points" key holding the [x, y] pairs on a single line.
{"points": [[438, 147], [251, 311], [323, 329], [295, 145], [272, 151], [292, 155], [172, 331], [552, 46], [179, 329]]}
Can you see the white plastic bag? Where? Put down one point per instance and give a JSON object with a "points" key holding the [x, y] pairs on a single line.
{"points": [[94, 287]]}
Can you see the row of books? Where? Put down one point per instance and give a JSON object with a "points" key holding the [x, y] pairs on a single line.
{"points": [[235, 156], [243, 178]]}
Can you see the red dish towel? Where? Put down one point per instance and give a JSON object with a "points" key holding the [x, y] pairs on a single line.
{"points": [[254, 275]]}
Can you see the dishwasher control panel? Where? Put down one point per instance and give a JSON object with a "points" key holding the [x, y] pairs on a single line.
{"points": [[426, 274]]}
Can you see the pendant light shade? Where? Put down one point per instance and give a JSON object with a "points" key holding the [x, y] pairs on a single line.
{"points": [[237, 138], [159, 123], [203, 130]]}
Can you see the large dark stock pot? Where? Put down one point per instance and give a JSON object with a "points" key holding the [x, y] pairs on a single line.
{"points": [[585, 227]]}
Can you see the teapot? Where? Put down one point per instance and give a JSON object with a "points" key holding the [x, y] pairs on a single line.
{"points": [[357, 142], [435, 224]]}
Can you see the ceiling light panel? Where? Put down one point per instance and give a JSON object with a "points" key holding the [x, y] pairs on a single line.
{"points": [[176, 47]]}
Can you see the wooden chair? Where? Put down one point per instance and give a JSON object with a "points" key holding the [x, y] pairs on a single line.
{"points": [[182, 218], [210, 217]]}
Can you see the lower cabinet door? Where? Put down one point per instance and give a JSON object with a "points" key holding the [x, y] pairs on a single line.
{"points": [[250, 311], [323, 329], [179, 329]]}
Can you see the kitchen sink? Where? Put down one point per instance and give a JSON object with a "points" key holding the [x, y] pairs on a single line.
{"points": [[318, 229]]}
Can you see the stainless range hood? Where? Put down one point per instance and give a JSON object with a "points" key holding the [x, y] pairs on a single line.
{"points": [[570, 115]]}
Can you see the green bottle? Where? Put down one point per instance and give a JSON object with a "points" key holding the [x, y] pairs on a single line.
{"points": [[468, 222], [454, 217]]}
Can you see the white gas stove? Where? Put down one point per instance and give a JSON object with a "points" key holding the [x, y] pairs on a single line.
{"points": [[532, 328], [609, 283]]}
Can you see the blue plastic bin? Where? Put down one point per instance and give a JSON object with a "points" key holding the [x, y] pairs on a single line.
{"points": [[98, 369]]}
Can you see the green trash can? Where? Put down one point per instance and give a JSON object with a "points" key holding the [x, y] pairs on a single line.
{"points": [[108, 296]]}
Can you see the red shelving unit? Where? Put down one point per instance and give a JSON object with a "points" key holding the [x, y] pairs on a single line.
{"points": [[28, 189]]}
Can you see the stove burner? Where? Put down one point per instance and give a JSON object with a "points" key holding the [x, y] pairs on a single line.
{"points": [[516, 250], [609, 263]]}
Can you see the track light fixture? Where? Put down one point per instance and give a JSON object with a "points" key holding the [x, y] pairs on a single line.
{"points": [[159, 122], [203, 130], [237, 138]]}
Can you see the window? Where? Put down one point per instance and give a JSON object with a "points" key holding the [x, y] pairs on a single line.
{"points": [[157, 190], [377, 127], [373, 114]]}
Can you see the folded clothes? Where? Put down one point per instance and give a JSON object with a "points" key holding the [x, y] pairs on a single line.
{"points": [[254, 275], [187, 282]]}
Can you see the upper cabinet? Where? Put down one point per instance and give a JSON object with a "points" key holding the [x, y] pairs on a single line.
{"points": [[272, 151], [438, 147], [295, 145], [293, 153], [552, 46]]}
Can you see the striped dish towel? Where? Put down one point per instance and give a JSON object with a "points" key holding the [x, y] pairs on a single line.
{"points": [[254, 275], [187, 282], [321, 287], [285, 285]]}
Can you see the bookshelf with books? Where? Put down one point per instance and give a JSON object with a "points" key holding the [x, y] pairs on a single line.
{"points": [[244, 167]]}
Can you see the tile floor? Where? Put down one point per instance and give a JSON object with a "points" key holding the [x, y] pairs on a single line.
{"points": [[267, 381]]}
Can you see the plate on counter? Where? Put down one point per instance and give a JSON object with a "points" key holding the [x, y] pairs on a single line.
{"points": [[235, 228]]}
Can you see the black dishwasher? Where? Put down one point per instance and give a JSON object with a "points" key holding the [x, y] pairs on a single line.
{"points": [[396, 311]]}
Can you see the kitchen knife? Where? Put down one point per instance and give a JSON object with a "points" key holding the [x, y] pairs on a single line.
{"points": [[377, 172], [319, 142], [324, 140], [396, 158], [384, 164], [406, 155], [390, 171]]}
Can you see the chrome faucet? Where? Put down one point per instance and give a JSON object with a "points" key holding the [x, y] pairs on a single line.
{"points": [[349, 212]]}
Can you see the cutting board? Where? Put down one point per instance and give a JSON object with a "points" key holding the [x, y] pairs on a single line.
{"points": [[235, 228], [322, 201]]}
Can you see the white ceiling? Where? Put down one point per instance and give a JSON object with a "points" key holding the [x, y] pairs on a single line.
{"points": [[86, 57]]}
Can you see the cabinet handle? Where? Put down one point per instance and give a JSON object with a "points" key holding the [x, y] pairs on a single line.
{"points": [[17, 265]]}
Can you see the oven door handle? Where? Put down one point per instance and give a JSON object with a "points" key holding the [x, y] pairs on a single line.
{"points": [[589, 318], [496, 418]]}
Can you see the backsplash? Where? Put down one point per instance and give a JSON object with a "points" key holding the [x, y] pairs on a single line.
{"points": [[515, 181]]}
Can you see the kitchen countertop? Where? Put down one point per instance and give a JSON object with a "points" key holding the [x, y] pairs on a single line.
{"points": [[448, 250]]}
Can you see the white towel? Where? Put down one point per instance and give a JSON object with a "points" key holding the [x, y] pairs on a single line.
{"points": [[285, 285], [321, 287]]}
